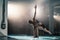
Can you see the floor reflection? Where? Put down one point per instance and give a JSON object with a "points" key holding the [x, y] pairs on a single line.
{"points": [[30, 38], [6, 38]]}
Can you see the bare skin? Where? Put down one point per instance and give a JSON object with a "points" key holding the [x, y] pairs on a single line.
{"points": [[40, 27], [44, 29], [37, 26]]}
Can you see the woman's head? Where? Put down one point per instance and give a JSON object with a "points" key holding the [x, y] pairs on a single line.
{"points": [[30, 21]]}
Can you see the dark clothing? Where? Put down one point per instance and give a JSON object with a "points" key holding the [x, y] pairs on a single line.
{"points": [[35, 23], [42, 25]]}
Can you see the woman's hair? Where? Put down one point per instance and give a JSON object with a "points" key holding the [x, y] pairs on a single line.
{"points": [[30, 22]]}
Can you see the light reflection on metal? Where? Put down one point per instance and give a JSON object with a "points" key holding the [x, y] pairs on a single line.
{"points": [[16, 11], [57, 17]]}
